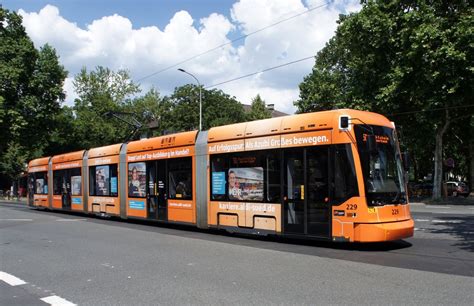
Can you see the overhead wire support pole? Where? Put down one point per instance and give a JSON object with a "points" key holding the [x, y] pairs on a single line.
{"points": [[135, 124]]}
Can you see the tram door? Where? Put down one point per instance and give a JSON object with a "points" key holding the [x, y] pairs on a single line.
{"points": [[157, 191], [305, 191], [31, 189], [318, 210], [294, 191], [66, 190]]}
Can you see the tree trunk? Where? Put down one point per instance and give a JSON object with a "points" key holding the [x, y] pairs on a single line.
{"points": [[438, 161], [471, 166], [415, 168]]}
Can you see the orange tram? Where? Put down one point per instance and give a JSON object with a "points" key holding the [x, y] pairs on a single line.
{"points": [[335, 175]]}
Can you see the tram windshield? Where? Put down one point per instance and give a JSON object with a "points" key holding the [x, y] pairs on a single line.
{"points": [[381, 165]]}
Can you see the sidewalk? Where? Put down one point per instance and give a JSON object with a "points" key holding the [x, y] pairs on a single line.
{"points": [[15, 201], [444, 201]]}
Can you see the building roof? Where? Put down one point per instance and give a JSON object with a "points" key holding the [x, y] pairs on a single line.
{"points": [[275, 113]]}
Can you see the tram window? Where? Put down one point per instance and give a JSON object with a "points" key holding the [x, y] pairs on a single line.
{"points": [[218, 178], [58, 181], [180, 178], [317, 174], [113, 180], [137, 180], [345, 182], [294, 180], [67, 180], [41, 183], [31, 183], [103, 180], [250, 176], [273, 178], [245, 177], [76, 181]]}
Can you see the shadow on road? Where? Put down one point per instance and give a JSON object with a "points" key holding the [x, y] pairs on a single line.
{"points": [[462, 228]]}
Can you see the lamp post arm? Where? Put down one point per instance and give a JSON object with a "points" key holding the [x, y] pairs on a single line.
{"points": [[200, 96]]}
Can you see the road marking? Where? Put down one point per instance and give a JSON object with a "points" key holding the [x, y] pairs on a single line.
{"points": [[67, 220], [434, 206], [422, 220], [446, 221], [56, 301], [16, 219], [10, 279]]}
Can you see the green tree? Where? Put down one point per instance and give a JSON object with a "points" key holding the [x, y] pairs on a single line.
{"points": [[258, 110], [409, 60], [63, 138], [101, 91], [152, 111], [218, 108], [31, 83], [14, 161]]}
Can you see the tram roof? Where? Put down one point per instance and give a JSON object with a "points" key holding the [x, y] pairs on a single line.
{"points": [[67, 157], [290, 124]]}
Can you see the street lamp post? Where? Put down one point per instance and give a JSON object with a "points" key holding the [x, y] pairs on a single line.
{"points": [[200, 97]]}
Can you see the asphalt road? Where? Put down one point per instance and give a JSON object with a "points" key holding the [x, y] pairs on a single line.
{"points": [[90, 261]]}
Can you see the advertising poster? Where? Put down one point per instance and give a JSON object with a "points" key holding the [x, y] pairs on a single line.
{"points": [[113, 185], [39, 186], [76, 185], [136, 179], [102, 180], [246, 184], [218, 183]]}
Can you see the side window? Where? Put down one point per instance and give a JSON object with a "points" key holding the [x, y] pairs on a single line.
{"points": [[31, 184], [92, 190], [57, 181], [273, 177], [345, 179], [137, 180], [180, 178], [113, 180], [245, 178], [41, 183], [103, 180], [218, 177], [317, 174], [76, 182]]}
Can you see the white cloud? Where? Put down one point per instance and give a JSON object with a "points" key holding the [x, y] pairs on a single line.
{"points": [[112, 41], [70, 93]]}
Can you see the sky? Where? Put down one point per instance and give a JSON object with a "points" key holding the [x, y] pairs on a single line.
{"points": [[152, 39]]}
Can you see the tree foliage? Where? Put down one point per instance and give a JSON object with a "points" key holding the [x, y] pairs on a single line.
{"points": [[218, 108], [152, 111], [31, 92], [258, 109], [409, 60], [101, 91]]}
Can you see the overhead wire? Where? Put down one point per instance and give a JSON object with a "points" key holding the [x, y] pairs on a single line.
{"points": [[260, 71], [431, 110]]}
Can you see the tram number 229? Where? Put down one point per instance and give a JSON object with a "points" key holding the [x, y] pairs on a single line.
{"points": [[351, 206]]}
